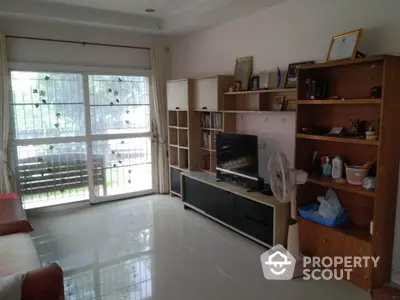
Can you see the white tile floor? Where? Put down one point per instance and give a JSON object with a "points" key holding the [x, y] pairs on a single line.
{"points": [[151, 248]]}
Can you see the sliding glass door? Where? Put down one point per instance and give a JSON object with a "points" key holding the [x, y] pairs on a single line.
{"points": [[79, 136], [120, 135]]}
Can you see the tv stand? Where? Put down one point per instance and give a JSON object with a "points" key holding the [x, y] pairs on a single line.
{"points": [[257, 216]]}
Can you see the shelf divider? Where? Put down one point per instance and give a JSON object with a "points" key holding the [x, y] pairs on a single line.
{"points": [[337, 139], [345, 187], [339, 102]]}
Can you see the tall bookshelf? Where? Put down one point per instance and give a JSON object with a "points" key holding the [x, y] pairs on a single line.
{"points": [[179, 99], [352, 80]]}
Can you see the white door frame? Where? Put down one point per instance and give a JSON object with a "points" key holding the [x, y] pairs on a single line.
{"points": [[89, 138]]}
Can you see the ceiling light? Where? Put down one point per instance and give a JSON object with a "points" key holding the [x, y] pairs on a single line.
{"points": [[150, 10]]}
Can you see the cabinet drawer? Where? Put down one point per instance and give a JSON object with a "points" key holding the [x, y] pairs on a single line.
{"points": [[258, 212], [255, 219], [177, 95], [206, 94], [319, 240]]}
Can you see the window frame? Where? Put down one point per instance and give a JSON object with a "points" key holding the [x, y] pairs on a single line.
{"points": [[88, 138]]}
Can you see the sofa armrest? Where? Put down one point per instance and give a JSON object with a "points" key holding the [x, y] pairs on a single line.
{"points": [[44, 284], [12, 215]]}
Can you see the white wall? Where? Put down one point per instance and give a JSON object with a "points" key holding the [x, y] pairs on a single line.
{"points": [[296, 30], [76, 54]]}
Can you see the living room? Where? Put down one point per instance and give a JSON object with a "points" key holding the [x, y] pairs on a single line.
{"points": [[114, 144]]}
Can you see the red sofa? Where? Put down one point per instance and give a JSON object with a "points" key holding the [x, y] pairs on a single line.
{"points": [[18, 254]]}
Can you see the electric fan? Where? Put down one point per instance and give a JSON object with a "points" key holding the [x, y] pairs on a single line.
{"points": [[283, 181]]}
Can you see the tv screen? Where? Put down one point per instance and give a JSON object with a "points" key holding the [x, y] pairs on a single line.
{"points": [[237, 153]]}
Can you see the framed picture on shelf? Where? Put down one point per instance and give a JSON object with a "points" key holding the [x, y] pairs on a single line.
{"points": [[344, 45], [292, 73], [255, 83], [243, 70], [238, 84], [278, 103]]}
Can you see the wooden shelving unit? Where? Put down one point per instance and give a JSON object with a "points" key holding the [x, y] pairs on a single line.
{"points": [[180, 124], [353, 80], [255, 101], [337, 139]]}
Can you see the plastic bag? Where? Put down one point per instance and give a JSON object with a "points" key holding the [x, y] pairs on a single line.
{"points": [[330, 207]]}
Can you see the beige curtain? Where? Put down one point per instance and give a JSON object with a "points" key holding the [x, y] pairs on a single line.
{"points": [[5, 186], [159, 58]]}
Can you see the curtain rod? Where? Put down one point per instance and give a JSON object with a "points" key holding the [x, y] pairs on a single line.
{"points": [[74, 42]]}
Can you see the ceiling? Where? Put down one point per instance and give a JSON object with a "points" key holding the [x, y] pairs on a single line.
{"points": [[170, 17]]}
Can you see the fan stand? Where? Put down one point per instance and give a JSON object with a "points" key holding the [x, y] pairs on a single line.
{"points": [[293, 238]]}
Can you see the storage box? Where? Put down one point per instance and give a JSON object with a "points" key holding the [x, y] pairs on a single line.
{"points": [[309, 212]]}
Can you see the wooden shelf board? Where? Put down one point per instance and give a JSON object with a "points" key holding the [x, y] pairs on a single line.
{"points": [[207, 149], [184, 147], [175, 193], [345, 187], [337, 139], [344, 62], [359, 233], [339, 102], [178, 127], [206, 110], [257, 111], [211, 129], [174, 145], [179, 168], [261, 92]]}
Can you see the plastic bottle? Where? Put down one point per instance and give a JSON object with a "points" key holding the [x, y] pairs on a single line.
{"points": [[337, 167], [327, 168]]}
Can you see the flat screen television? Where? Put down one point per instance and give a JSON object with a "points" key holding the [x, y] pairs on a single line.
{"points": [[237, 154]]}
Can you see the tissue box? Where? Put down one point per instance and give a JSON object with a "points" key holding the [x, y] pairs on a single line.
{"points": [[309, 212]]}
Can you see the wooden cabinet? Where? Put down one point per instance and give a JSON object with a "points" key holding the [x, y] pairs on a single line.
{"points": [[209, 92], [318, 240], [352, 80], [234, 206], [178, 94]]}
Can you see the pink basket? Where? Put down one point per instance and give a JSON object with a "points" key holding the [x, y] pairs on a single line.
{"points": [[355, 175]]}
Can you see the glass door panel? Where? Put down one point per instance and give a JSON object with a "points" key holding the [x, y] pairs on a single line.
{"points": [[121, 137]]}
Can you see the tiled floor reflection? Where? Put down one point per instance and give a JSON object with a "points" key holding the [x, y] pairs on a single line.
{"points": [[151, 248]]}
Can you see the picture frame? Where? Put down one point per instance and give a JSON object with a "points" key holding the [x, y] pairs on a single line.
{"points": [[255, 83], [292, 73], [243, 70], [344, 45], [238, 85], [278, 103]]}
